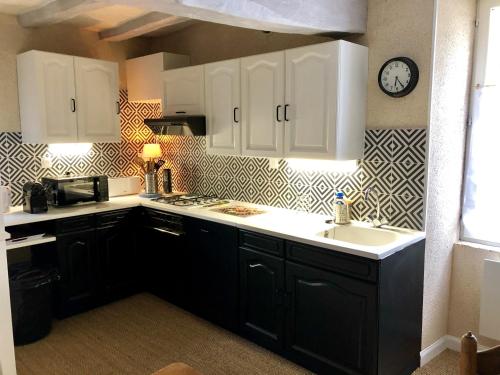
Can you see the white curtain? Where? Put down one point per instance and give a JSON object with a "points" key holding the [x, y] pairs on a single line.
{"points": [[481, 210]]}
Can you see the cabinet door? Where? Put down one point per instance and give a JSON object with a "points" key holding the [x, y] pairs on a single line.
{"points": [[77, 259], [222, 95], [262, 99], [262, 282], [98, 102], [183, 91], [46, 97], [117, 260], [331, 321], [215, 272], [311, 101]]}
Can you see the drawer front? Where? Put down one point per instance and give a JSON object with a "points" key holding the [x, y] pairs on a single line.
{"points": [[114, 217], [74, 224], [348, 265], [261, 242]]}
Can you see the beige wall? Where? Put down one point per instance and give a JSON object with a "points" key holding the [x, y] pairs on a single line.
{"points": [[61, 39], [468, 262], [395, 27], [398, 28], [448, 112]]}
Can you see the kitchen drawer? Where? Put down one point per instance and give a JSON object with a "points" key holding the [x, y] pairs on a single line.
{"points": [[74, 224], [114, 217], [345, 264], [261, 242]]}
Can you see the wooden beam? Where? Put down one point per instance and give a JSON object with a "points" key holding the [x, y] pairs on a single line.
{"points": [[142, 25], [58, 11]]}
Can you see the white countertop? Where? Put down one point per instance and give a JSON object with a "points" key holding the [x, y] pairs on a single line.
{"points": [[287, 224]]}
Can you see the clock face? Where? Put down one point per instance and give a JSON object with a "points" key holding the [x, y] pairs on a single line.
{"points": [[398, 77]]}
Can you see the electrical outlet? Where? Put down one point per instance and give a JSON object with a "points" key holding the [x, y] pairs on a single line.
{"points": [[273, 163], [46, 163]]}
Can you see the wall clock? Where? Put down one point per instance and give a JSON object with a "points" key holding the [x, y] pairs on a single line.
{"points": [[398, 77]]}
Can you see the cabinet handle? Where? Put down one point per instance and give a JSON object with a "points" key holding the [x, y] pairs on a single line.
{"points": [[286, 112], [118, 111], [166, 231], [180, 112], [204, 231], [234, 114], [73, 105], [278, 113]]}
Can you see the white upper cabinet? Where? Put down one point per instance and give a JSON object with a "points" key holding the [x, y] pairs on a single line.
{"points": [[144, 75], [97, 91], [262, 96], [183, 91], [307, 102], [47, 98], [222, 98], [325, 101], [65, 99]]}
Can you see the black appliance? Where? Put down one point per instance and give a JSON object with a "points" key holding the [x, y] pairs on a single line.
{"points": [[64, 191], [165, 251], [180, 124], [34, 198]]}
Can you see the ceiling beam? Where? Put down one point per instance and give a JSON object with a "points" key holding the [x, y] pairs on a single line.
{"points": [[58, 11], [142, 25]]}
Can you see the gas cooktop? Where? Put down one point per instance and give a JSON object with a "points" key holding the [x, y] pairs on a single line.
{"points": [[192, 200]]}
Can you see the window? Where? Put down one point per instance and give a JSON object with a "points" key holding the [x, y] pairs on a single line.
{"points": [[481, 208]]}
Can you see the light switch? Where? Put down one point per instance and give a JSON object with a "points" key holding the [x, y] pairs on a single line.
{"points": [[273, 163], [46, 163]]}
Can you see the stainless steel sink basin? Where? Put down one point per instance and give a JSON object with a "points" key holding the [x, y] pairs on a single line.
{"points": [[363, 236]]}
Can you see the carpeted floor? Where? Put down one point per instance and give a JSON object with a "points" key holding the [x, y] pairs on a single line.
{"points": [[142, 334]]}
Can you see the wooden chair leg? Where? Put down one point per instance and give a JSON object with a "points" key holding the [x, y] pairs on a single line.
{"points": [[468, 355]]}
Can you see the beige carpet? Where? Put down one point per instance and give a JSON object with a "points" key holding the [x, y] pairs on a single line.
{"points": [[142, 334]]}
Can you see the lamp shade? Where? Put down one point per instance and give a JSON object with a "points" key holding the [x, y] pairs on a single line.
{"points": [[151, 151]]}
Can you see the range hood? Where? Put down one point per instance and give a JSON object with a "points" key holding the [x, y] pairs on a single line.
{"points": [[188, 125]]}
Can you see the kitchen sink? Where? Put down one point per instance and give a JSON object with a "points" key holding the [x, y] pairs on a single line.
{"points": [[360, 235]]}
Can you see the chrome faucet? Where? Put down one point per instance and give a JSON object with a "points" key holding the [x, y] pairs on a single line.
{"points": [[376, 221]]}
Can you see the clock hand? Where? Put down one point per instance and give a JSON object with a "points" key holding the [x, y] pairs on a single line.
{"points": [[399, 82], [396, 82]]}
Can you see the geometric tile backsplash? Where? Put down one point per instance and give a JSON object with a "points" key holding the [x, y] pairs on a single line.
{"points": [[394, 163]]}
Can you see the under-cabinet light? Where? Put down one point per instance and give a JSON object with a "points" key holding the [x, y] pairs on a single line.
{"points": [[70, 149], [341, 166]]}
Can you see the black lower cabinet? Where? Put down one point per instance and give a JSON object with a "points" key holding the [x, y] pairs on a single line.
{"points": [[77, 259], [331, 321], [330, 312], [214, 250], [262, 292], [97, 260], [117, 260]]}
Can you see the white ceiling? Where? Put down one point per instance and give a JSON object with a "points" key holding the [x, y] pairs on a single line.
{"points": [[20, 6], [129, 18]]}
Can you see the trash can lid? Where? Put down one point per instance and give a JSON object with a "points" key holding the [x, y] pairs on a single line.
{"points": [[24, 276]]}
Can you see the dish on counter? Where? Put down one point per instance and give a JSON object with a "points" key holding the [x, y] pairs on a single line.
{"points": [[241, 211]]}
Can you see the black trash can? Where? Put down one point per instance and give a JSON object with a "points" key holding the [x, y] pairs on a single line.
{"points": [[31, 301]]}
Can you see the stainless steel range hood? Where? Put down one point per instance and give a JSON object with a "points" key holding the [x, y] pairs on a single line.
{"points": [[188, 125]]}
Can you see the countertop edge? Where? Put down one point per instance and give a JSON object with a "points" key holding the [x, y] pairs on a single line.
{"points": [[134, 201]]}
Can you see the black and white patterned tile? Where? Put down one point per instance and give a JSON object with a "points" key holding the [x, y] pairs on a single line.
{"points": [[394, 164]]}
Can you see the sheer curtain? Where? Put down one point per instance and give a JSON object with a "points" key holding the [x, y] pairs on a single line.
{"points": [[481, 208]]}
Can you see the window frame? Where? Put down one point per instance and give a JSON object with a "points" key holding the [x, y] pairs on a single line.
{"points": [[482, 24]]}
